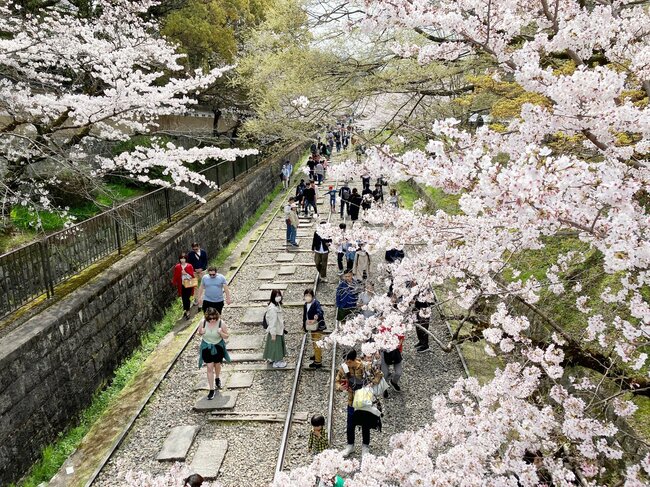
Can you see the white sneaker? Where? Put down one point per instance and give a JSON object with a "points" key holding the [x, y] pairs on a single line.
{"points": [[348, 450], [280, 364], [365, 449]]}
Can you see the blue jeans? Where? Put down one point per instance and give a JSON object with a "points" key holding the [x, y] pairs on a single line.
{"points": [[291, 233], [320, 178]]}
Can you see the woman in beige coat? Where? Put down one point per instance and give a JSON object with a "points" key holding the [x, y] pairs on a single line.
{"points": [[361, 265]]}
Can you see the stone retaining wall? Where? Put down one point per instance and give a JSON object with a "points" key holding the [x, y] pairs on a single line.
{"points": [[51, 365]]}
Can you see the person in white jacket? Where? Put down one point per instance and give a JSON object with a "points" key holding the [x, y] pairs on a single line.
{"points": [[275, 349], [361, 265]]}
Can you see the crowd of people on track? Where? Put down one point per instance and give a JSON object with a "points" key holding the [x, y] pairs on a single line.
{"points": [[364, 379]]}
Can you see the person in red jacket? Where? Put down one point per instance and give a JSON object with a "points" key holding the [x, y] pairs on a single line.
{"points": [[183, 271]]}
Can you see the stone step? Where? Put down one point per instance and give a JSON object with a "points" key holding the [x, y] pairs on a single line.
{"points": [[266, 274], [177, 444], [273, 285], [208, 458], [245, 342], [285, 257], [260, 296], [222, 400], [246, 357], [234, 380], [286, 270], [253, 316]]}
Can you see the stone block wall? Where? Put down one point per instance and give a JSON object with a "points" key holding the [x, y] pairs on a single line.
{"points": [[51, 365]]}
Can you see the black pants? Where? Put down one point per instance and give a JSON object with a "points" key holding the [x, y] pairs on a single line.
{"points": [[365, 430], [345, 203], [423, 336], [218, 305], [186, 296]]}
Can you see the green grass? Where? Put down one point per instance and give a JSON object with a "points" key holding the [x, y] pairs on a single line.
{"points": [[443, 201], [406, 193], [55, 454]]}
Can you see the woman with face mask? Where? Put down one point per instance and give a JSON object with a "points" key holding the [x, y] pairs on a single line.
{"points": [[275, 349], [313, 320], [183, 274]]}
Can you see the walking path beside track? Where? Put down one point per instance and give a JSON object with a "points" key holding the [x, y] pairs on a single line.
{"points": [[237, 436]]}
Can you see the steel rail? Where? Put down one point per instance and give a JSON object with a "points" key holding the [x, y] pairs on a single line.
{"points": [[284, 442], [134, 417]]}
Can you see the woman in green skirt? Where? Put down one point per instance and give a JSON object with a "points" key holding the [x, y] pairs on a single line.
{"points": [[275, 348]]}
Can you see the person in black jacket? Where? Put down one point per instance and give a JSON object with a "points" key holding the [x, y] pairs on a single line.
{"points": [[309, 196], [199, 260], [312, 316], [421, 308], [321, 248], [355, 205]]}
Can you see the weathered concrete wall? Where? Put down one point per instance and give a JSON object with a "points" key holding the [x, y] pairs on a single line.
{"points": [[52, 364]]}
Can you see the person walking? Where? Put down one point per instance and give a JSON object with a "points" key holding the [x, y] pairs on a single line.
{"points": [[366, 200], [361, 263], [313, 321], [342, 249], [365, 179], [185, 283], [319, 171], [364, 298], [378, 193], [311, 164], [212, 290], [212, 351], [355, 205], [332, 194], [345, 193], [422, 318], [292, 220], [199, 260], [352, 376], [275, 348], [309, 195], [286, 174], [393, 199], [392, 358], [321, 248], [346, 296]]}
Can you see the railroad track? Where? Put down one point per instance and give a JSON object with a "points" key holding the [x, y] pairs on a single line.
{"points": [[287, 442], [184, 347]]}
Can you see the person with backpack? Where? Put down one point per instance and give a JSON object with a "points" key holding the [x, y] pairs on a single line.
{"points": [[212, 350], [199, 260], [319, 171], [313, 321], [275, 348], [351, 377], [345, 193], [366, 200]]}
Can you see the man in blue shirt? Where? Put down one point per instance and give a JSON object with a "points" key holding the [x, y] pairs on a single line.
{"points": [[346, 296], [212, 290], [198, 258]]}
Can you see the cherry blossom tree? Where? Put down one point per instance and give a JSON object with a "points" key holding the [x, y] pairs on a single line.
{"points": [[70, 84], [541, 420]]}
